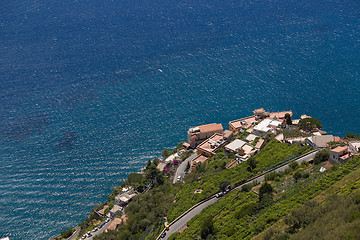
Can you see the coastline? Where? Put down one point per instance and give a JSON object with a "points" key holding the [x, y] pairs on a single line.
{"points": [[119, 189]]}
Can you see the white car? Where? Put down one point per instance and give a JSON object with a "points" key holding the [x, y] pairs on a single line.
{"points": [[179, 178]]}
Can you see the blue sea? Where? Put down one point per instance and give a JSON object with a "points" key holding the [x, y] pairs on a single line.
{"points": [[92, 89]]}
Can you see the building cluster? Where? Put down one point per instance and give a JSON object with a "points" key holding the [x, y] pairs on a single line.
{"points": [[209, 138]]}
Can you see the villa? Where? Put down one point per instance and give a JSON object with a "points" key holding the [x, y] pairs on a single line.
{"points": [[198, 134], [211, 145]]}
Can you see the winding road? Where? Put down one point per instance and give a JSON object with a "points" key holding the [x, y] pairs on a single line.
{"points": [[180, 171], [181, 221]]}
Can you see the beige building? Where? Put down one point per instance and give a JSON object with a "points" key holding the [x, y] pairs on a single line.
{"points": [[211, 145], [242, 123], [198, 159], [260, 113], [124, 198], [339, 154], [198, 134]]}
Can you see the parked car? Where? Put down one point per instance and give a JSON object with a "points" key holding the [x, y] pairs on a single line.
{"points": [[95, 229], [163, 234], [179, 178], [219, 195]]}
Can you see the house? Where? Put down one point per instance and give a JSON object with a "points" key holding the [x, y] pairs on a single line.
{"points": [[266, 126], [115, 209], [124, 198], [247, 122], [354, 146], [241, 124], [251, 137], [245, 152], [339, 154], [235, 145], [113, 225], [198, 134], [260, 113], [259, 143], [280, 137], [228, 134], [198, 159], [320, 141], [280, 115], [161, 166], [211, 145], [102, 211]]}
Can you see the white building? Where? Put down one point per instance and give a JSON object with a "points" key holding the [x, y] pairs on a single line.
{"points": [[266, 126], [235, 145]]}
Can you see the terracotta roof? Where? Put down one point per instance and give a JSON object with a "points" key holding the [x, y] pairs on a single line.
{"points": [[200, 158], [243, 122], [103, 210], [260, 110], [114, 224], [280, 114], [206, 146], [211, 127], [339, 149], [327, 166]]}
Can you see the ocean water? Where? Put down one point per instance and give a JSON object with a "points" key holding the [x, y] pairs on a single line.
{"points": [[90, 90]]}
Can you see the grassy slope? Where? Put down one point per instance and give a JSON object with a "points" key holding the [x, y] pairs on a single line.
{"points": [[233, 222], [273, 154]]}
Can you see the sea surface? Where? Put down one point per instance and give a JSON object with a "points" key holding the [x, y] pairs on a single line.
{"points": [[90, 90]]}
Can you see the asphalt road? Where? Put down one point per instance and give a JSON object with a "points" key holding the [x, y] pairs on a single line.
{"points": [[182, 221], [180, 171], [98, 232]]}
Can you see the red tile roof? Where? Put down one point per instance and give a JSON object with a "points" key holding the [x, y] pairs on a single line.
{"points": [[211, 127]]}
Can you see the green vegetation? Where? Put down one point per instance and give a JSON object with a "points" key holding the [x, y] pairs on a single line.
{"points": [[288, 119], [309, 123], [240, 215], [207, 228], [165, 153], [65, 234], [321, 156], [209, 181], [352, 136], [294, 133]]}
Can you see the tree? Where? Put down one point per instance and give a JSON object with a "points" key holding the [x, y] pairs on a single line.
{"points": [[265, 188], [67, 233], [293, 165], [246, 187], [156, 161], [352, 136], [165, 153], [148, 164], [288, 119], [297, 176], [252, 164], [309, 123], [265, 195], [321, 156], [224, 185], [187, 166], [135, 180], [207, 227]]}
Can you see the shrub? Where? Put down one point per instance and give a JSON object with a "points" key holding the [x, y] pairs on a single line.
{"points": [[246, 187], [294, 165], [321, 156]]}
